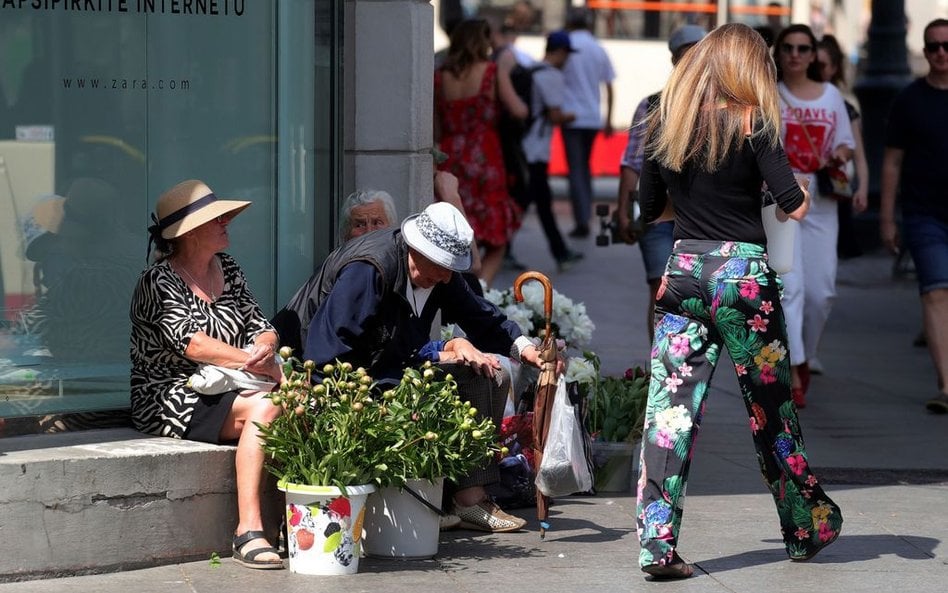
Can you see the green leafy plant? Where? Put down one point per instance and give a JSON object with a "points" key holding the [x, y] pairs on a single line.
{"points": [[345, 431], [327, 434], [616, 404], [430, 432]]}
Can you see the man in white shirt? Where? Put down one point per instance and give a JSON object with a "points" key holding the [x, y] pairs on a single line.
{"points": [[586, 70], [546, 112]]}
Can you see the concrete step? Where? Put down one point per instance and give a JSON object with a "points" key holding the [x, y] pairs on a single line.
{"points": [[115, 499]]}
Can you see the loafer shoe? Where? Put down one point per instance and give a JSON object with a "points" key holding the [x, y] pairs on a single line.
{"points": [[487, 516], [938, 404], [448, 522]]}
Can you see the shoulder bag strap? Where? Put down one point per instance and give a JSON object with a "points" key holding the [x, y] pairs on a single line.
{"points": [[816, 153]]}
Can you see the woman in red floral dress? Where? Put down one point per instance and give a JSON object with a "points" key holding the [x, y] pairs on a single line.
{"points": [[467, 88]]}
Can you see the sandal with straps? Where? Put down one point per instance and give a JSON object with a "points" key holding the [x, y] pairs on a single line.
{"points": [[676, 569], [250, 558]]}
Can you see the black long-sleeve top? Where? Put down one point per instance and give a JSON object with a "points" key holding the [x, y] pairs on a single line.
{"points": [[724, 205]]}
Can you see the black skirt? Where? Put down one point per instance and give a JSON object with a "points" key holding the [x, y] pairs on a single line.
{"points": [[208, 417]]}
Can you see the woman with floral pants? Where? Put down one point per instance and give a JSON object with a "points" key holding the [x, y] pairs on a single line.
{"points": [[713, 142], [717, 294]]}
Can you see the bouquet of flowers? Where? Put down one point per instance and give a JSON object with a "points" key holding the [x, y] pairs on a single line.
{"points": [[570, 321], [343, 431], [616, 405]]}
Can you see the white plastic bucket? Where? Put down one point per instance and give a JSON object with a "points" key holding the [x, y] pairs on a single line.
{"points": [[397, 525], [324, 528], [780, 239]]}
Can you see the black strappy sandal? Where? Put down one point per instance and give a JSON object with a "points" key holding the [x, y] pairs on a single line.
{"points": [[676, 569], [250, 558]]}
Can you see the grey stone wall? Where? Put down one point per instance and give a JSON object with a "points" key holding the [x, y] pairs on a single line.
{"points": [[388, 69]]}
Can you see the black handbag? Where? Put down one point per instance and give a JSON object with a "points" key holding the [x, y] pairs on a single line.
{"points": [[833, 182]]}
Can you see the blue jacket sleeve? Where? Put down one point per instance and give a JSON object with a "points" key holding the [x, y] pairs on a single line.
{"points": [[486, 327], [342, 317]]}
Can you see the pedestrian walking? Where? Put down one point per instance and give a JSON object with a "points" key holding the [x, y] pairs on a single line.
{"points": [[656, 240], [830, 60], [546, 112], [913, 166], [816, 134], [467, 94], [712, 142], [587, 70]]}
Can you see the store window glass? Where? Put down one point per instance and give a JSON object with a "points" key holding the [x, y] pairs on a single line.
{"points": [[103, 106]]}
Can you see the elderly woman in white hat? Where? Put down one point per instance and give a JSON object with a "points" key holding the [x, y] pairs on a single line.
{"points": [[193, 306]]}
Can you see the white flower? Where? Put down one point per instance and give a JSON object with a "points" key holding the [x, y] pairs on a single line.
{"points": [[673, 420], [519, 316], [581, 370], [777, 348], [573, 324], [495, 297]]}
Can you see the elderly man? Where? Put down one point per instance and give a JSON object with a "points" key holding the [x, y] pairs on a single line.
{"points": [[362, 212], [375, 301]]}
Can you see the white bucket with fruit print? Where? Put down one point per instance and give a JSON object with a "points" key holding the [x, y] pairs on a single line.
{"points": [[324, 527]]}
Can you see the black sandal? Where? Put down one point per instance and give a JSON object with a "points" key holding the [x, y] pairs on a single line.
{"points": [[676, 569], [250, 558]]}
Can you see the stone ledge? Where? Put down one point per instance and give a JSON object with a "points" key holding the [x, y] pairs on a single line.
{"points": [[103, 500]]}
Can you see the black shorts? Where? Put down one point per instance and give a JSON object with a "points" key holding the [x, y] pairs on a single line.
{"points": [[208, 417]]}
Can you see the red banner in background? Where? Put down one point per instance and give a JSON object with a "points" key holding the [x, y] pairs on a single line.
{"points": [[606, 154]]}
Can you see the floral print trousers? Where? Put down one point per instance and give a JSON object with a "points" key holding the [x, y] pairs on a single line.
{"points": [[716, 294]]}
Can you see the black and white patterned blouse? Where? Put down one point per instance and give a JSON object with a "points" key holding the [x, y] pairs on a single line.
{"points": [[165, 315]]}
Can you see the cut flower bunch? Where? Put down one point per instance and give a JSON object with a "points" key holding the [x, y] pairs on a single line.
{"points": [[616, 405], [346, 431], [327, 434], [430, 432], [570, 321]]}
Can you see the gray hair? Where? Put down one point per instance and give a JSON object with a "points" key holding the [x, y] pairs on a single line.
{"points": [[363, 198]]}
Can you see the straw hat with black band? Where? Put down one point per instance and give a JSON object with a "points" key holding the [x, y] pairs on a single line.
{"points": [[185, 207]]}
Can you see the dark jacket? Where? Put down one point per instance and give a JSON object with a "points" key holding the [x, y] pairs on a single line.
{"points": [[292, 322], [361, 314]]}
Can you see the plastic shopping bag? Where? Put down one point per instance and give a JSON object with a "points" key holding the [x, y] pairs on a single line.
{"points": [[563, 469]]}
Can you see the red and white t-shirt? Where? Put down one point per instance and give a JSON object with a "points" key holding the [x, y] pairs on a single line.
{"points": [[826, 121]]}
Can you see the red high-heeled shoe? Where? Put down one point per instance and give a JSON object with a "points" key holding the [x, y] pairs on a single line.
{"points": [[799, 397]]}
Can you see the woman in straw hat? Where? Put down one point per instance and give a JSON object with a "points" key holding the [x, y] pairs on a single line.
{"points": [[193, 306], [713, 140]]}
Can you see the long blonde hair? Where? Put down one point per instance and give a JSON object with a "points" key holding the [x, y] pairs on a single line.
{"points": [[704, 105]]}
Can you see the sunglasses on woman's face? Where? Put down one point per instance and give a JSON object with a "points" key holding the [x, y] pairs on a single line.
{"points": [[788, 48], [932, 46]]}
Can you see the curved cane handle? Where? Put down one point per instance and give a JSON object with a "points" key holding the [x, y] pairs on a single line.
{"points": [[547, 293]]}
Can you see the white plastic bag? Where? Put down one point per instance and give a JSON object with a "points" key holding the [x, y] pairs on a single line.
{"points": [[211, 379], [563, 469]]}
